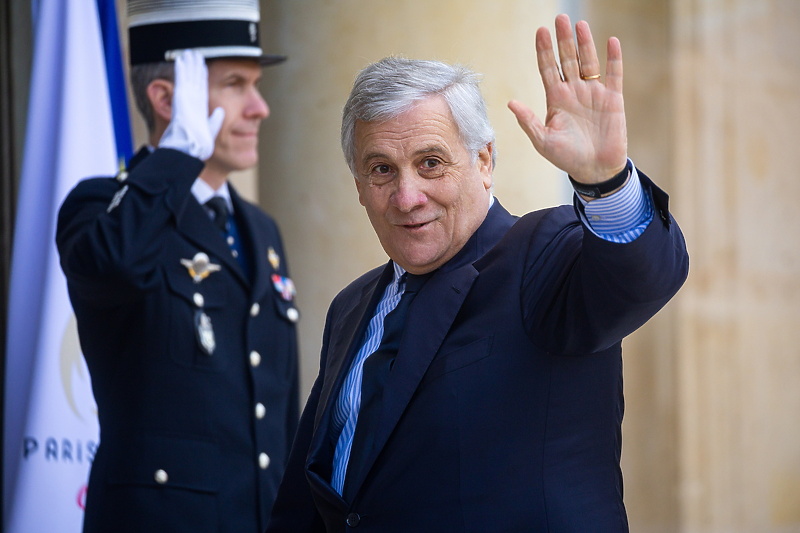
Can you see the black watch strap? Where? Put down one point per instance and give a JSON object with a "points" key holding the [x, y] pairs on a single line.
{"points": [[597, 190]]}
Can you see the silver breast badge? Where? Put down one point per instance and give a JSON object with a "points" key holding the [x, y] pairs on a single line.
{"points": [[205, 332], [199, 266]]}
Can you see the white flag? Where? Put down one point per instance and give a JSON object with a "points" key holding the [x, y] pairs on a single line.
{"points": [[51, 428]]}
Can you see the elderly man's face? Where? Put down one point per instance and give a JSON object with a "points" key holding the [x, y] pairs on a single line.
{"points": [[423, 193]]}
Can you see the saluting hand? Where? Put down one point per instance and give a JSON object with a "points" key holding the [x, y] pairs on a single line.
{"points": [[584, 133], [191, 130]]}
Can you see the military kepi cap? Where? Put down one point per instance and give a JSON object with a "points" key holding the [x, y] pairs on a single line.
{"points": [[157, 29]]}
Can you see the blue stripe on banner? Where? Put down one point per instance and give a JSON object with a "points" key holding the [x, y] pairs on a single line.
{"points": [[107, 13]]}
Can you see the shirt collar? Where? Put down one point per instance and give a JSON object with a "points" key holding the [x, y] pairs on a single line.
{"points": [[203, 192]]}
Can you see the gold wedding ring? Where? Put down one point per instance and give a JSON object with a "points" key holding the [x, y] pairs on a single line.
{"points": [[592, 77]]}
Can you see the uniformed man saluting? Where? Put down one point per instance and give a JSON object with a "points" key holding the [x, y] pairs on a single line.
{"points": [[186, 312]]}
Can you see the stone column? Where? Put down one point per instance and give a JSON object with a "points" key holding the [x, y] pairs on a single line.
{"points": [[737, 106]]}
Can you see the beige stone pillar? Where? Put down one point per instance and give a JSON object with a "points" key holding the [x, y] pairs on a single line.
{"points": [[737, 107], [712, 442], [304, 181]]}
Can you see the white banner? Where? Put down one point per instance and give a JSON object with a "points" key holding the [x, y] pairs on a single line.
{"points": [[51, 429]]}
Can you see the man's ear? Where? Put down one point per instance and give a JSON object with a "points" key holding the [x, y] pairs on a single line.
{"points": [[159, 92], [486, 165]]}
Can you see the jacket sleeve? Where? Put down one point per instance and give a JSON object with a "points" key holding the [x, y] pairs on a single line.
{"points": [[582, 294], [109, 234]]}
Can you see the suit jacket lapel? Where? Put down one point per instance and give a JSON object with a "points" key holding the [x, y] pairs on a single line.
{"points": [[347, 335], [347, 340]]}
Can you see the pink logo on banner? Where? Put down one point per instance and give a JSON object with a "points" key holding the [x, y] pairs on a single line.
{"points": [[81, 497]]}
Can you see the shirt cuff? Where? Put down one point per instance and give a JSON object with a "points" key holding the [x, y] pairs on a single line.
{"points": [[620, 217]]}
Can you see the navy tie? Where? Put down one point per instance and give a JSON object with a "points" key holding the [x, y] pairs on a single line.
{"points": [[377, 368], [227, 226], [219, 208]]}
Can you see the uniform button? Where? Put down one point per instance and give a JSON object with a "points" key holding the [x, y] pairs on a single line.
{"points": [[255, 309], [260, 410], [161, 476], [263, 460], [255, 358], [292, 314], [230, 240], [353, 519], [199, 301], [234, 253]]}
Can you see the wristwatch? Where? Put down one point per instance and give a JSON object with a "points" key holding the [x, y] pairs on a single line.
{"points": [[597, 190]]}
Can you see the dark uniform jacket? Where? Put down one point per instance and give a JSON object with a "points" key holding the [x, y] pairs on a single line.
{"points": [[503, 410], [195, 379]]}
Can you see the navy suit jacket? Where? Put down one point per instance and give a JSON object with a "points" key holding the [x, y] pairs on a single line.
{"points": [[164, 404], [503, 409]]}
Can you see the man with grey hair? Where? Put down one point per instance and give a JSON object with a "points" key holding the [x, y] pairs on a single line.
{"points": [[185, 309], [473, 383]]}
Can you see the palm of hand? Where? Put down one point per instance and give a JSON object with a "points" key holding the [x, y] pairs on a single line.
{"points": [[584, 133], [584, 130]]}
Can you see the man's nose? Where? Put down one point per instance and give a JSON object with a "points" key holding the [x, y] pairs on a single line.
{"points": [[409, 192], [256, 106]]}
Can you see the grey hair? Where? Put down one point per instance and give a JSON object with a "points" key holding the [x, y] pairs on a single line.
{"points": [[391, 86], [141, 76]]}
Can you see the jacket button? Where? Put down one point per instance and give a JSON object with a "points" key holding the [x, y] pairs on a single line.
{"points": [[161, 476], [260, 410], [255, 358], [292, 314], [353, 519], [255, 309], [263, 461], [199, 301]]}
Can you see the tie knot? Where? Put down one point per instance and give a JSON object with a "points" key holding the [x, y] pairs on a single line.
{"points": [[414, 282], [219, 208]]}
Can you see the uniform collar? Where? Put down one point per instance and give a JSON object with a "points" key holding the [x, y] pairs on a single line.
{"points": [[203, 192]]}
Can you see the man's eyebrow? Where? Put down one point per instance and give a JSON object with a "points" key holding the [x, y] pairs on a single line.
{"points": [[372, 155], [431, 149]]}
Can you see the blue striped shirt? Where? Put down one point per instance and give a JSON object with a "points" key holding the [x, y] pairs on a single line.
{"points": [[620, 217], [345, 412]]}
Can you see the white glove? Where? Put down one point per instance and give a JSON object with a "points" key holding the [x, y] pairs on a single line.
{"points": [[191, 131]]}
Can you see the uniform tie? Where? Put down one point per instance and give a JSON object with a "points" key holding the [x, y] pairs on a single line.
{"points": [[223, 220], [219, 208]]}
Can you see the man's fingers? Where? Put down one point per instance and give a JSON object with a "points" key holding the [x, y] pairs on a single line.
{"points": [[215, 122], [529, 122], [614, 65], [567, 53], [546, 59], [587, 53]]}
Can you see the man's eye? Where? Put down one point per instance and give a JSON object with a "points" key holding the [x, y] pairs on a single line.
{"points": [[430, 163], [380, 174]]}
